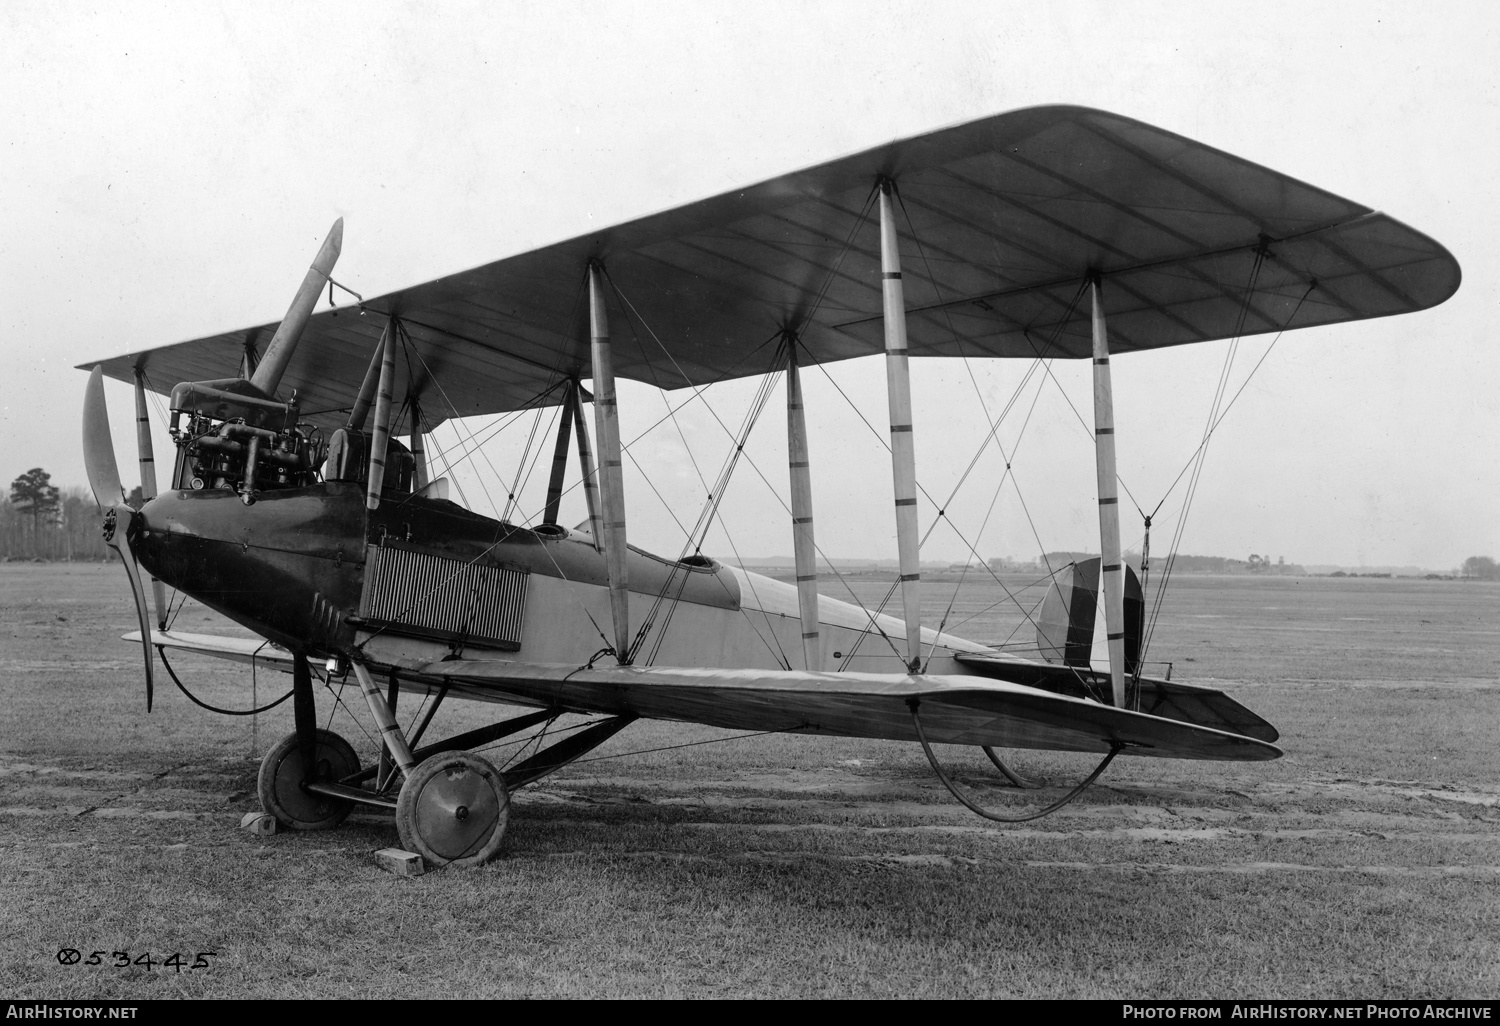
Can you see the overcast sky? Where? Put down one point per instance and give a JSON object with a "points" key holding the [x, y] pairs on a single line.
{"points": [[169, 170]]}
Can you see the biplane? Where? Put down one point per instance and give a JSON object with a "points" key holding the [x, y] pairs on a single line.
{"points": [[302, 503]]}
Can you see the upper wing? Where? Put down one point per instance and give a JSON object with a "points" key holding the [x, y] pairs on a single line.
{"points": [[1001, 220]]}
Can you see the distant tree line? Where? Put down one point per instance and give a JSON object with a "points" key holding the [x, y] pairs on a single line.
{"points": [[40, 521], [1481, 568], [1186, 564]]}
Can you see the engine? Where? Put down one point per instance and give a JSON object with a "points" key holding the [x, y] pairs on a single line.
{"points": [[231, 435]]}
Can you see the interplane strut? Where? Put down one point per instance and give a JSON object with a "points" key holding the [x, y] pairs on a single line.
{"points": [[803, 544], [611, 471], [1111, 569], [903, 449]]}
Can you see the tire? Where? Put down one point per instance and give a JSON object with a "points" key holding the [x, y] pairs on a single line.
{"points": [[453, 810], [282, 776]]}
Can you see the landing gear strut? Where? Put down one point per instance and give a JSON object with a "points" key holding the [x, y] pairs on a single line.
{"points": [[453, 806], [304, 759]]}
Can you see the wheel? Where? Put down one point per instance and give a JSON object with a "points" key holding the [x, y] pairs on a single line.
{"points": [[453, 810], [282, 776]]}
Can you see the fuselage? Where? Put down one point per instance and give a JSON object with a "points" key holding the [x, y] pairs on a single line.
{"points": [[422, 579]]}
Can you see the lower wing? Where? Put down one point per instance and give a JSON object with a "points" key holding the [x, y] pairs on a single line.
{"points": [[955, 709]]}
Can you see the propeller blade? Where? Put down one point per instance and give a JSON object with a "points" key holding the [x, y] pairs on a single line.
{"points": [[98, 445], [117, 537]]}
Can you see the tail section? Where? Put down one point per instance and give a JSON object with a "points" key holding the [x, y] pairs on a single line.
{"points": [[1065, 630]]}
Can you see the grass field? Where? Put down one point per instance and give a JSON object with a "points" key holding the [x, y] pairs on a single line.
{"points": [[1364, 864]]}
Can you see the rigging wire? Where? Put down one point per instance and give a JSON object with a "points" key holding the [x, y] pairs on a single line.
{"points": [[338, 703], [698, 390], [474, 444], [512, 501], [699, 534], [409, 348], [1007, 475], [925, 493], [1213, 426], [715, 493], [500, 530], [859, 222], [585, 724], [440, 455], [690, 744], [1200, 454], [1045, 579]]}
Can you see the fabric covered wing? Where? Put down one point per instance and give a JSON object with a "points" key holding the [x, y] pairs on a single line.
{"points": [[1001, 220], [256, 651], [954, 709]]}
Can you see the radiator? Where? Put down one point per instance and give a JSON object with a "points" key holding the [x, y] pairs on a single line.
{"points": [[429, 596]]}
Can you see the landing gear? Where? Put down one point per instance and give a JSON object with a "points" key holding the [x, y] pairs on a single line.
{"points": [[453, 810], [453, 807], [284, 772]]}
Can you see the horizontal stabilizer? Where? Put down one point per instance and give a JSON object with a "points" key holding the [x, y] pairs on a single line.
{"points": [[1186, 703]]}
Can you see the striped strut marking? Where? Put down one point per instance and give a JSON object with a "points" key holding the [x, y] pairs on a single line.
{"points": [[801, 520], [1104, 431], [798, 466], [906, 502], [809, 635], [891, 275], [1109, 501], [910, 577], [804, 578], [895, 428]]}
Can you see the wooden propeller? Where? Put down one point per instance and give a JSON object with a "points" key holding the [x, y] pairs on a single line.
{"points": [[120, 521]]}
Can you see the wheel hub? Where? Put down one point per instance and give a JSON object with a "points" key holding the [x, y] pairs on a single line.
{"points": [[455, 809]]}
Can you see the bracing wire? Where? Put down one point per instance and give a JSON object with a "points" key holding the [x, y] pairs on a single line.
{"points": [[1198, 454], [698, 390]]}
